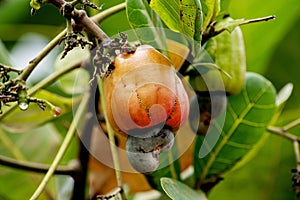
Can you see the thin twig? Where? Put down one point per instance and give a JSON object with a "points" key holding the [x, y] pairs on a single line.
{"points": [[88, 23], [283, 132], [84, 146], [108, 12], [77, 118], [279, 131], [212, 32], [33, 63], [291, 125], [258, 19], [112, 141], [10, 69], [69, 27], [297, 154], [35, 167], [42, 84]]}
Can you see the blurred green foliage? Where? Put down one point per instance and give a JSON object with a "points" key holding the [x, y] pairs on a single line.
{"points": [[273, 50]]}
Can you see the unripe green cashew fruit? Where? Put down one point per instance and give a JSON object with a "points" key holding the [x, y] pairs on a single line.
{"points": [[228, 52]]}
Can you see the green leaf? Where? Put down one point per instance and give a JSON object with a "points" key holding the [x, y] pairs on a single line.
{"points": [[181, 16], [179, 191], [146, 23], [284, 94], [282, 97], [77, 81], [247, 117], [211, 9], [20, 121]]}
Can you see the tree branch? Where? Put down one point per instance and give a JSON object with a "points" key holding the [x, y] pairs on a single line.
{"points": [[80, 17], [291, 125], [36, 167], [283, 132], [88, 23], [108, 12], [297, 154]]}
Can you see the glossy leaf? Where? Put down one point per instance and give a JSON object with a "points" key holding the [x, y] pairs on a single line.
{"points": [[146, 23], [179, 191], [247, 117], [284, 94], [20, 121], [180, 16], [281, 99]]}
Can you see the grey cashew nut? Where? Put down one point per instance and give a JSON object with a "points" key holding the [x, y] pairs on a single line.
{"points": [[143, 153]]}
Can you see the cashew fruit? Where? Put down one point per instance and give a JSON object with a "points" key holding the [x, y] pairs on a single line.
{"points": [[228, 52], [142, 91]]}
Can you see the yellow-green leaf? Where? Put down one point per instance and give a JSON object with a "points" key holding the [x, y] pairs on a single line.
{"points": [[247, 116], [146, 23], [181, 16]]}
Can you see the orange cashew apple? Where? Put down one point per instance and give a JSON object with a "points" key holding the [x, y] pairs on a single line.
{"points": [[143, 91]]}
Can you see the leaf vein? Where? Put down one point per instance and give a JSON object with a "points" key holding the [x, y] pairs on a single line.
{"points": [[238, 145], [253, 124]]}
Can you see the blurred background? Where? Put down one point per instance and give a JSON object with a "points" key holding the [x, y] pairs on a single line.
{"points": [[273, 50]]}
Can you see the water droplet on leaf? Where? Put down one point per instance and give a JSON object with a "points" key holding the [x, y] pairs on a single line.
{"points": [[23, 105]]}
